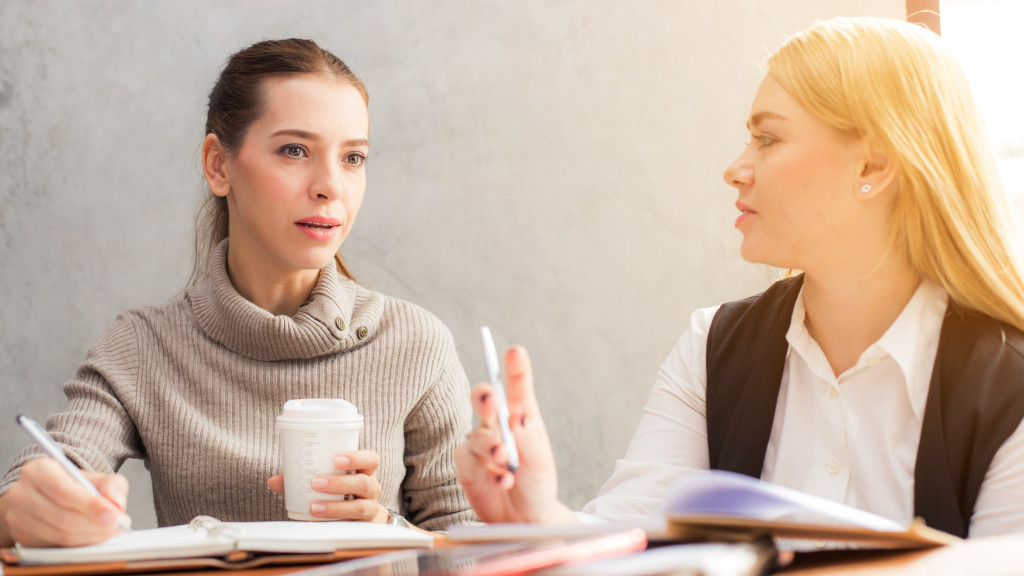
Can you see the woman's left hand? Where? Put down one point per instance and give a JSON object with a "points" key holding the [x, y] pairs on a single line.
{"points": [[361, 483]]}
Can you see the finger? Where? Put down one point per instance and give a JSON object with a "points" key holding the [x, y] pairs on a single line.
{"points": [[52, 509], [276, 484], [359, 510], [482, 396], [54, 483], [361, 461], [519, 380], [358, 485], [483, 458], [113, 487], [486, 445], [33, 527], [481, 481], [31, 517]]}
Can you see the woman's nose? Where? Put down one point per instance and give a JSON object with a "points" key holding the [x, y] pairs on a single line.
{"points": [[739, 173], [328, 183]]}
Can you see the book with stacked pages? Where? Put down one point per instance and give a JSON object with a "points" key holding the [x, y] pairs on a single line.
{"points": [[208, 542], [718, 505]]}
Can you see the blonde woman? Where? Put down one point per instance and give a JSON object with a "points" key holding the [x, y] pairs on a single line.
{"points": [[889, 374]]}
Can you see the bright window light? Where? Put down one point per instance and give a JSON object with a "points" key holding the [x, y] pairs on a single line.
{"points": [[986, 37]]}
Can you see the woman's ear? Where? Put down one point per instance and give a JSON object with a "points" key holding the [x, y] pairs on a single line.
{"points": [[215, 166], [877, 173]]}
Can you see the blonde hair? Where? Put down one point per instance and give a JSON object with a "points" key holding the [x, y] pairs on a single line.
{"points": [[894, 84]]}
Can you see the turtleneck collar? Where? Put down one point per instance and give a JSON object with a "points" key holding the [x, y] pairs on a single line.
{"points": [[323, 325]]}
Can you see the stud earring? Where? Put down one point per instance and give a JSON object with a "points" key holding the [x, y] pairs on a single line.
{"points": [[865, 188]]}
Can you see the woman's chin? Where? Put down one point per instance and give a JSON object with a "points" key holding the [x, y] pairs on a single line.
{"points": [[749, 252], [316, 258], [756, 255]]}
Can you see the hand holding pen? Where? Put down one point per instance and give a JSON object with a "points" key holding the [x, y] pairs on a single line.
{"points": [[508, 441], [530, 494], [53, 503]]}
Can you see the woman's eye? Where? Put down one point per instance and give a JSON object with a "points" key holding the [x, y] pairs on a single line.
{"points": [[294, 151], [761, 140], [355, 159]]}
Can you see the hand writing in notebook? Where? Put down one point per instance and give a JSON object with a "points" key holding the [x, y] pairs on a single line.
{"points": [[46, 507], [360, 482]]}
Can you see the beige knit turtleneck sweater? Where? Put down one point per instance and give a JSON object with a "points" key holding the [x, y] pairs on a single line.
{"points": [[193, 388]]}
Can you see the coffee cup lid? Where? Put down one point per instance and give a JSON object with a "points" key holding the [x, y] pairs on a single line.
{"points": [[332, 409]]}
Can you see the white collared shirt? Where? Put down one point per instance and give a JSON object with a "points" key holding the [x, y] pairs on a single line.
{"points": [[851, 438]]}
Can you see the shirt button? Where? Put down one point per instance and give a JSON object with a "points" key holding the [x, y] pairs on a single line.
{"points": [[340, 323], [362, 332], [832, 393], [820, 544], [833, 466]]}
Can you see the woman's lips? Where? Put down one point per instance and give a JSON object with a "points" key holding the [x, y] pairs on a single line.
{"points": [[319, 227], [746, 213]]}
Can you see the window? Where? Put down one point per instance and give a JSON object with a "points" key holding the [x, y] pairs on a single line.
{"points": [[986, 36]]}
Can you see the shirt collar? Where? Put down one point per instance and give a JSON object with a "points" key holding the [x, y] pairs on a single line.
{"points": [[911, 341]]}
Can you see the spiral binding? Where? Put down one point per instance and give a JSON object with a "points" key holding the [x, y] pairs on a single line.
{"points": [[215, 528]]}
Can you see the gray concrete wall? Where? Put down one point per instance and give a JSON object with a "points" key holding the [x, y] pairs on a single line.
{"points": [[550, 168]]}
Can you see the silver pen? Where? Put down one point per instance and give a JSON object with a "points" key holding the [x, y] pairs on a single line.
{"points": [[49, 445], [493, 372]]}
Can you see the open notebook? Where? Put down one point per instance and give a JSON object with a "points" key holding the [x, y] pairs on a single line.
{"points": [[717, 505], [207, 541]]}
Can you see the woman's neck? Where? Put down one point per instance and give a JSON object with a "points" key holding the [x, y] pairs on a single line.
{"points": [[277, 291], [849, 311]]}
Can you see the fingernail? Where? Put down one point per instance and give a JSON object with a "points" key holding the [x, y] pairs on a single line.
{"points": [[318, 509], [108, 518], [319, 483], [342, 462]]}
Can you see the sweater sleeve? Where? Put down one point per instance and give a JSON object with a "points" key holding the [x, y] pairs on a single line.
{"points": [[439, 422], [95, 428]]}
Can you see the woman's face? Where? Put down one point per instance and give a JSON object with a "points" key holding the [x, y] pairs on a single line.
{"points": [[298, 178], [798, 181]]}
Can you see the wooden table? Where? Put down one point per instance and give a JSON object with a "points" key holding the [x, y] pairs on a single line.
{"points": [[992, 556]]}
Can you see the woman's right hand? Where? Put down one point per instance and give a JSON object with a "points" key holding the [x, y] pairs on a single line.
{"points": [[46, 507], [497, 495]]}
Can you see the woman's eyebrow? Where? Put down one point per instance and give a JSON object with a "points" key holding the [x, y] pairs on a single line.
{"points": [[305, 135], [756, 119], [312, 136]]}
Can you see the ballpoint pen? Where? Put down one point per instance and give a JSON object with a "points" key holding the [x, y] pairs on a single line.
{"points": [[49, 445], [493, 372]]}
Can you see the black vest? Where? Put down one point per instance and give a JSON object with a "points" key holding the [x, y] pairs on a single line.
{"points": [[975, 398]]}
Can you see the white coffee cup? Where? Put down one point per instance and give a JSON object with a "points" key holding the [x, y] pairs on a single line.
{"points": [[313, 431]]}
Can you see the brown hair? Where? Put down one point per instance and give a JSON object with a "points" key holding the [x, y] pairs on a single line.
{"points": [[236, 102]]}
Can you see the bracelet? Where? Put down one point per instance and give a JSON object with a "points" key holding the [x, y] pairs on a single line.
{"points": [[396, 519]]}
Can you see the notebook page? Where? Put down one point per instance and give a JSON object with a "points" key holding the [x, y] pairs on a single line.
{"points": [[719, 493], [312, 537], [154, 544]]}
